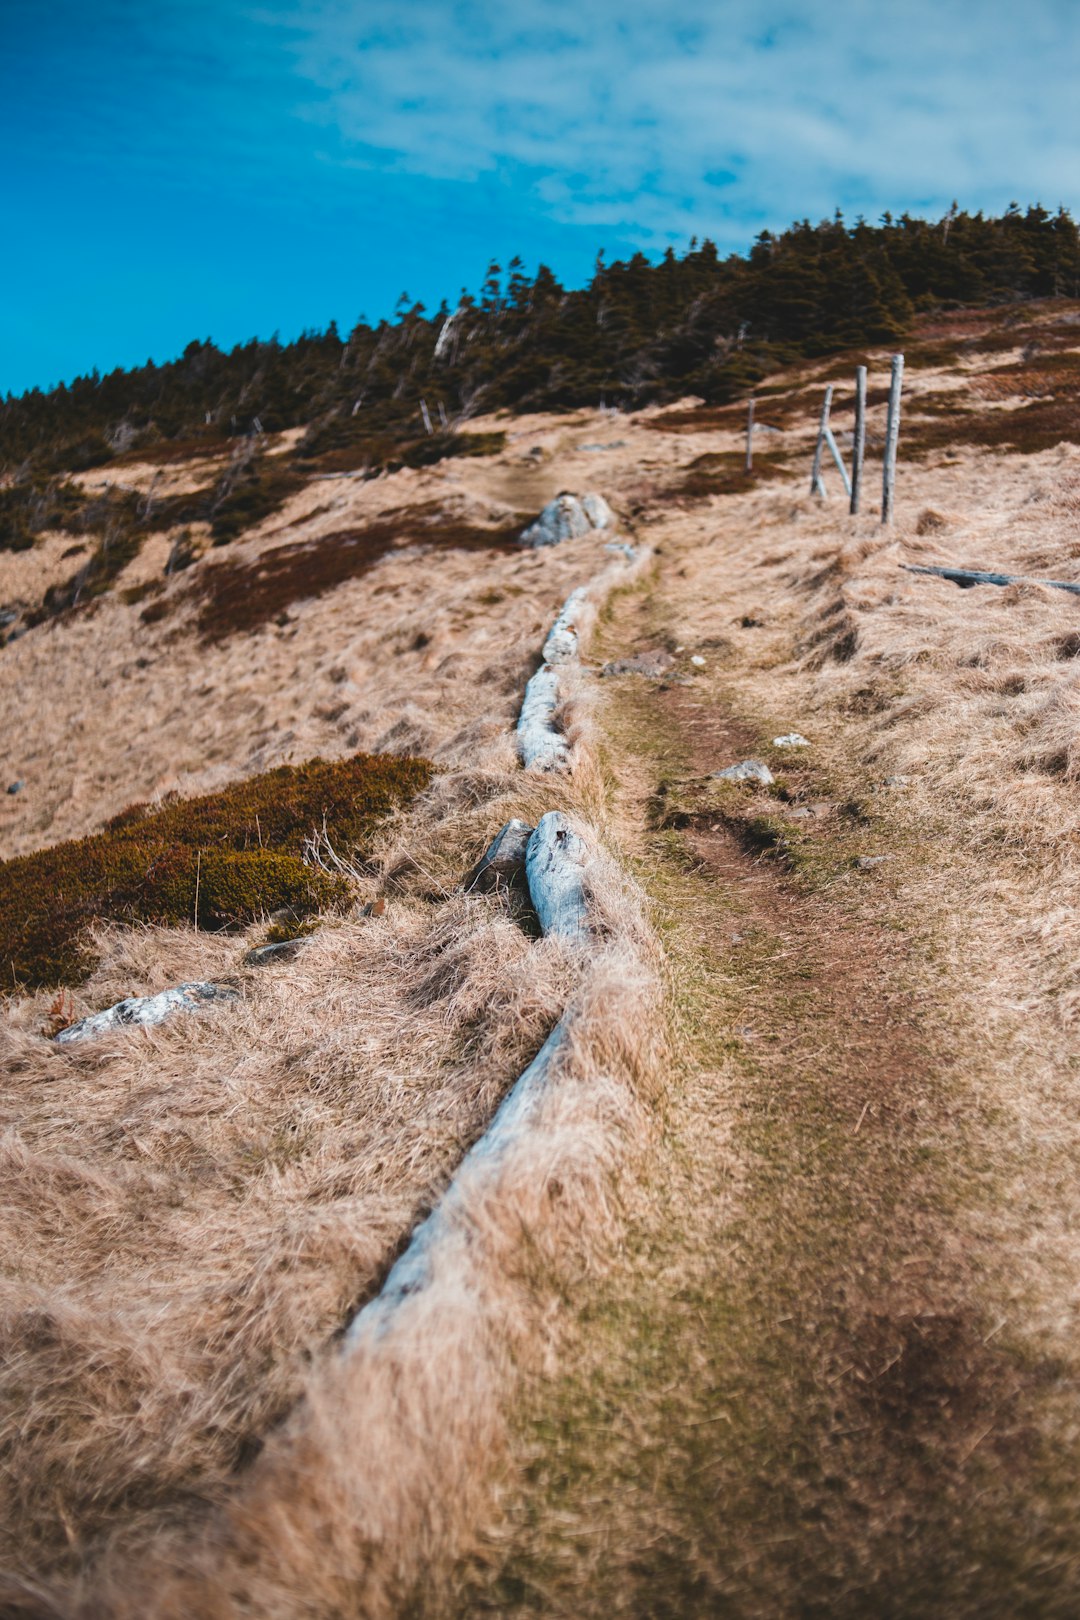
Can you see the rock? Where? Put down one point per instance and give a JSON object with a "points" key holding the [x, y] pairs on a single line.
{"points": [[791, 739], [281, 951], [616, 444], [890, 782], [653, 663], [568, 517], [747, 770], [15, 787], [502, 864], [697, 660], [146, 1010], [866, 863]]}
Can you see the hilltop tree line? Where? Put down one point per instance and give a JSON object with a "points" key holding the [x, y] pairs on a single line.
{"points": [[638, 332]]}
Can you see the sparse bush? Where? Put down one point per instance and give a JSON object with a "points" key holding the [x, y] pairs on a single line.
{"points": [[218, 861]]}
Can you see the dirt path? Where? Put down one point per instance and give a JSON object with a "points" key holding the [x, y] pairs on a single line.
{"points": [[793, 1394]]}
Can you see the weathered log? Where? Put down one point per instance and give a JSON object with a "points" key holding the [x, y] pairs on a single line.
{"points": [[282, 950], [146, 1010], [967, 577], [555, 864], [543, 748], [555, 867], [503, 862], [562, 643]]}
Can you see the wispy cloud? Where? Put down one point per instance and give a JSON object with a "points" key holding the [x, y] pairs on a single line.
{"points": [[702, 117]]}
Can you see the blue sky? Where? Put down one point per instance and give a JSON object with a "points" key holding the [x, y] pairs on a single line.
{"points": [[179, 168]]}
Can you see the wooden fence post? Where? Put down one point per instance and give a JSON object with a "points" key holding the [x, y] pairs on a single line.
{"points": [[817, 483], [892, 438], [858, 449], [834, 451], [750, 437]]}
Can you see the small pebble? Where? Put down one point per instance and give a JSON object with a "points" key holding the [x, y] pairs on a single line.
{"points": [[865, 863], [15, 787], [792, 739], [697, 660]]}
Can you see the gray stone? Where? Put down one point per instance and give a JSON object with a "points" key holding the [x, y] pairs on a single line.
{"points": [[568, 517], [866, 863], [15, 787], [653, 664], [791, 739], [747, 770], [503, 862], [281, 951]]}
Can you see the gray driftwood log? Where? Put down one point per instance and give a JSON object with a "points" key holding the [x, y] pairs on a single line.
{"points": [[543, 746], [967, 577], [503, 862], [555, 863], [146, 1010]]}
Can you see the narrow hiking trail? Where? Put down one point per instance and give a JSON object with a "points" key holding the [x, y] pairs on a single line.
{"points": [[801, 1388]]}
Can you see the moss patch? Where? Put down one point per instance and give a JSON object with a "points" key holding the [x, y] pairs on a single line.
{"points": [[219, 861]]}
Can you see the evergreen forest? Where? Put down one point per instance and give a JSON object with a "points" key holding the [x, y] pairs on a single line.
{"points": [[640, 331]]}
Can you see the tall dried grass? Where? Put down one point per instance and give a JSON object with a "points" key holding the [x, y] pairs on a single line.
{"points": [[199, 1209]]}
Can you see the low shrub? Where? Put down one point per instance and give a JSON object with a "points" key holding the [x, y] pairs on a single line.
{"points": [[219, 861]]}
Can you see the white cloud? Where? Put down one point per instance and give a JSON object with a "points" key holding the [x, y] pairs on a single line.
{"points": [[615, 113]]}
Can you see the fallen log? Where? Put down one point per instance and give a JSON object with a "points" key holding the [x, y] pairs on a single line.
{"points": [[555, 866], [543, 748], [967, 577], [503, 862], [561, 645], [146, 1010]]}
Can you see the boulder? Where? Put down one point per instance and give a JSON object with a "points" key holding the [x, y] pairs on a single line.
{"points": [[568, 517]]}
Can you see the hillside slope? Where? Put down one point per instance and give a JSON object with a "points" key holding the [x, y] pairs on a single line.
{"points": [[806, 1343]]}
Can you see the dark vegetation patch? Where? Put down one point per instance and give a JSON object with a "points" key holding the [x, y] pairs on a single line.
{"points": [[724, 473], [351, 444], [33, 505], [220, 861], [241, 596]]}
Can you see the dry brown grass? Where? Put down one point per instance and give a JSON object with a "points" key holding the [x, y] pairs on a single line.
{"points": [[197, 1211]]}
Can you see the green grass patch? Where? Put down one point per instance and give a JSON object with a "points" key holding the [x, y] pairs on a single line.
{"points": [[219, 861]]}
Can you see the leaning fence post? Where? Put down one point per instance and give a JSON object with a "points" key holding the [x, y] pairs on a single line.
{"points": [[750, 437], [858, 448], [892, 437], [817, 483]]}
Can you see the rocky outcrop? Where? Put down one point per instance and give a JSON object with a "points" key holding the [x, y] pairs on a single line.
{"points": [[568, 517]]}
